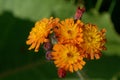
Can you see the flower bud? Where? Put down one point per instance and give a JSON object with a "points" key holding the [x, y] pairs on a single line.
{"points": [[47, 46], [48, 55], [61, 73], [79, 13]]}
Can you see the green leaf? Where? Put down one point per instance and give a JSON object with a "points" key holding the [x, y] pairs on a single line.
{"points": [[37, 9]]}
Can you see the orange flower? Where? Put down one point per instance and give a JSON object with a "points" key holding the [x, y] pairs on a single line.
{"points": [[67, 57], [94, 41], [69, 31], [39, 33]]}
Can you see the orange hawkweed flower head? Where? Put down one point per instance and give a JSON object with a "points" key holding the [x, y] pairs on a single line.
{"points": [[39, 33], [68, 42], [69, 31], [94, 41], [67, 57]]}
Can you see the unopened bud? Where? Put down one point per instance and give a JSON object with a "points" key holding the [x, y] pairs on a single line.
{"points": [[47, 46], [79, 13], [48, 55], [61, 73]]}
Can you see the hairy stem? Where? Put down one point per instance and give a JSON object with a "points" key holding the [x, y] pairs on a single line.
{"points": [[80, 75]]}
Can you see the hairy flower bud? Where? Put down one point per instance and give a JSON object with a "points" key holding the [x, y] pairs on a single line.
{"points": [[48, 55], [79, 13], [61, 73], [47, 46]]}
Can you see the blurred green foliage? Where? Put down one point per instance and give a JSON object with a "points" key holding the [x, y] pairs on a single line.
{"points": [[17, 17]]}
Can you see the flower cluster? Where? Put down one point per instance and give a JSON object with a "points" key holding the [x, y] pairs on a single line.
{"points": [[67, 42]]}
